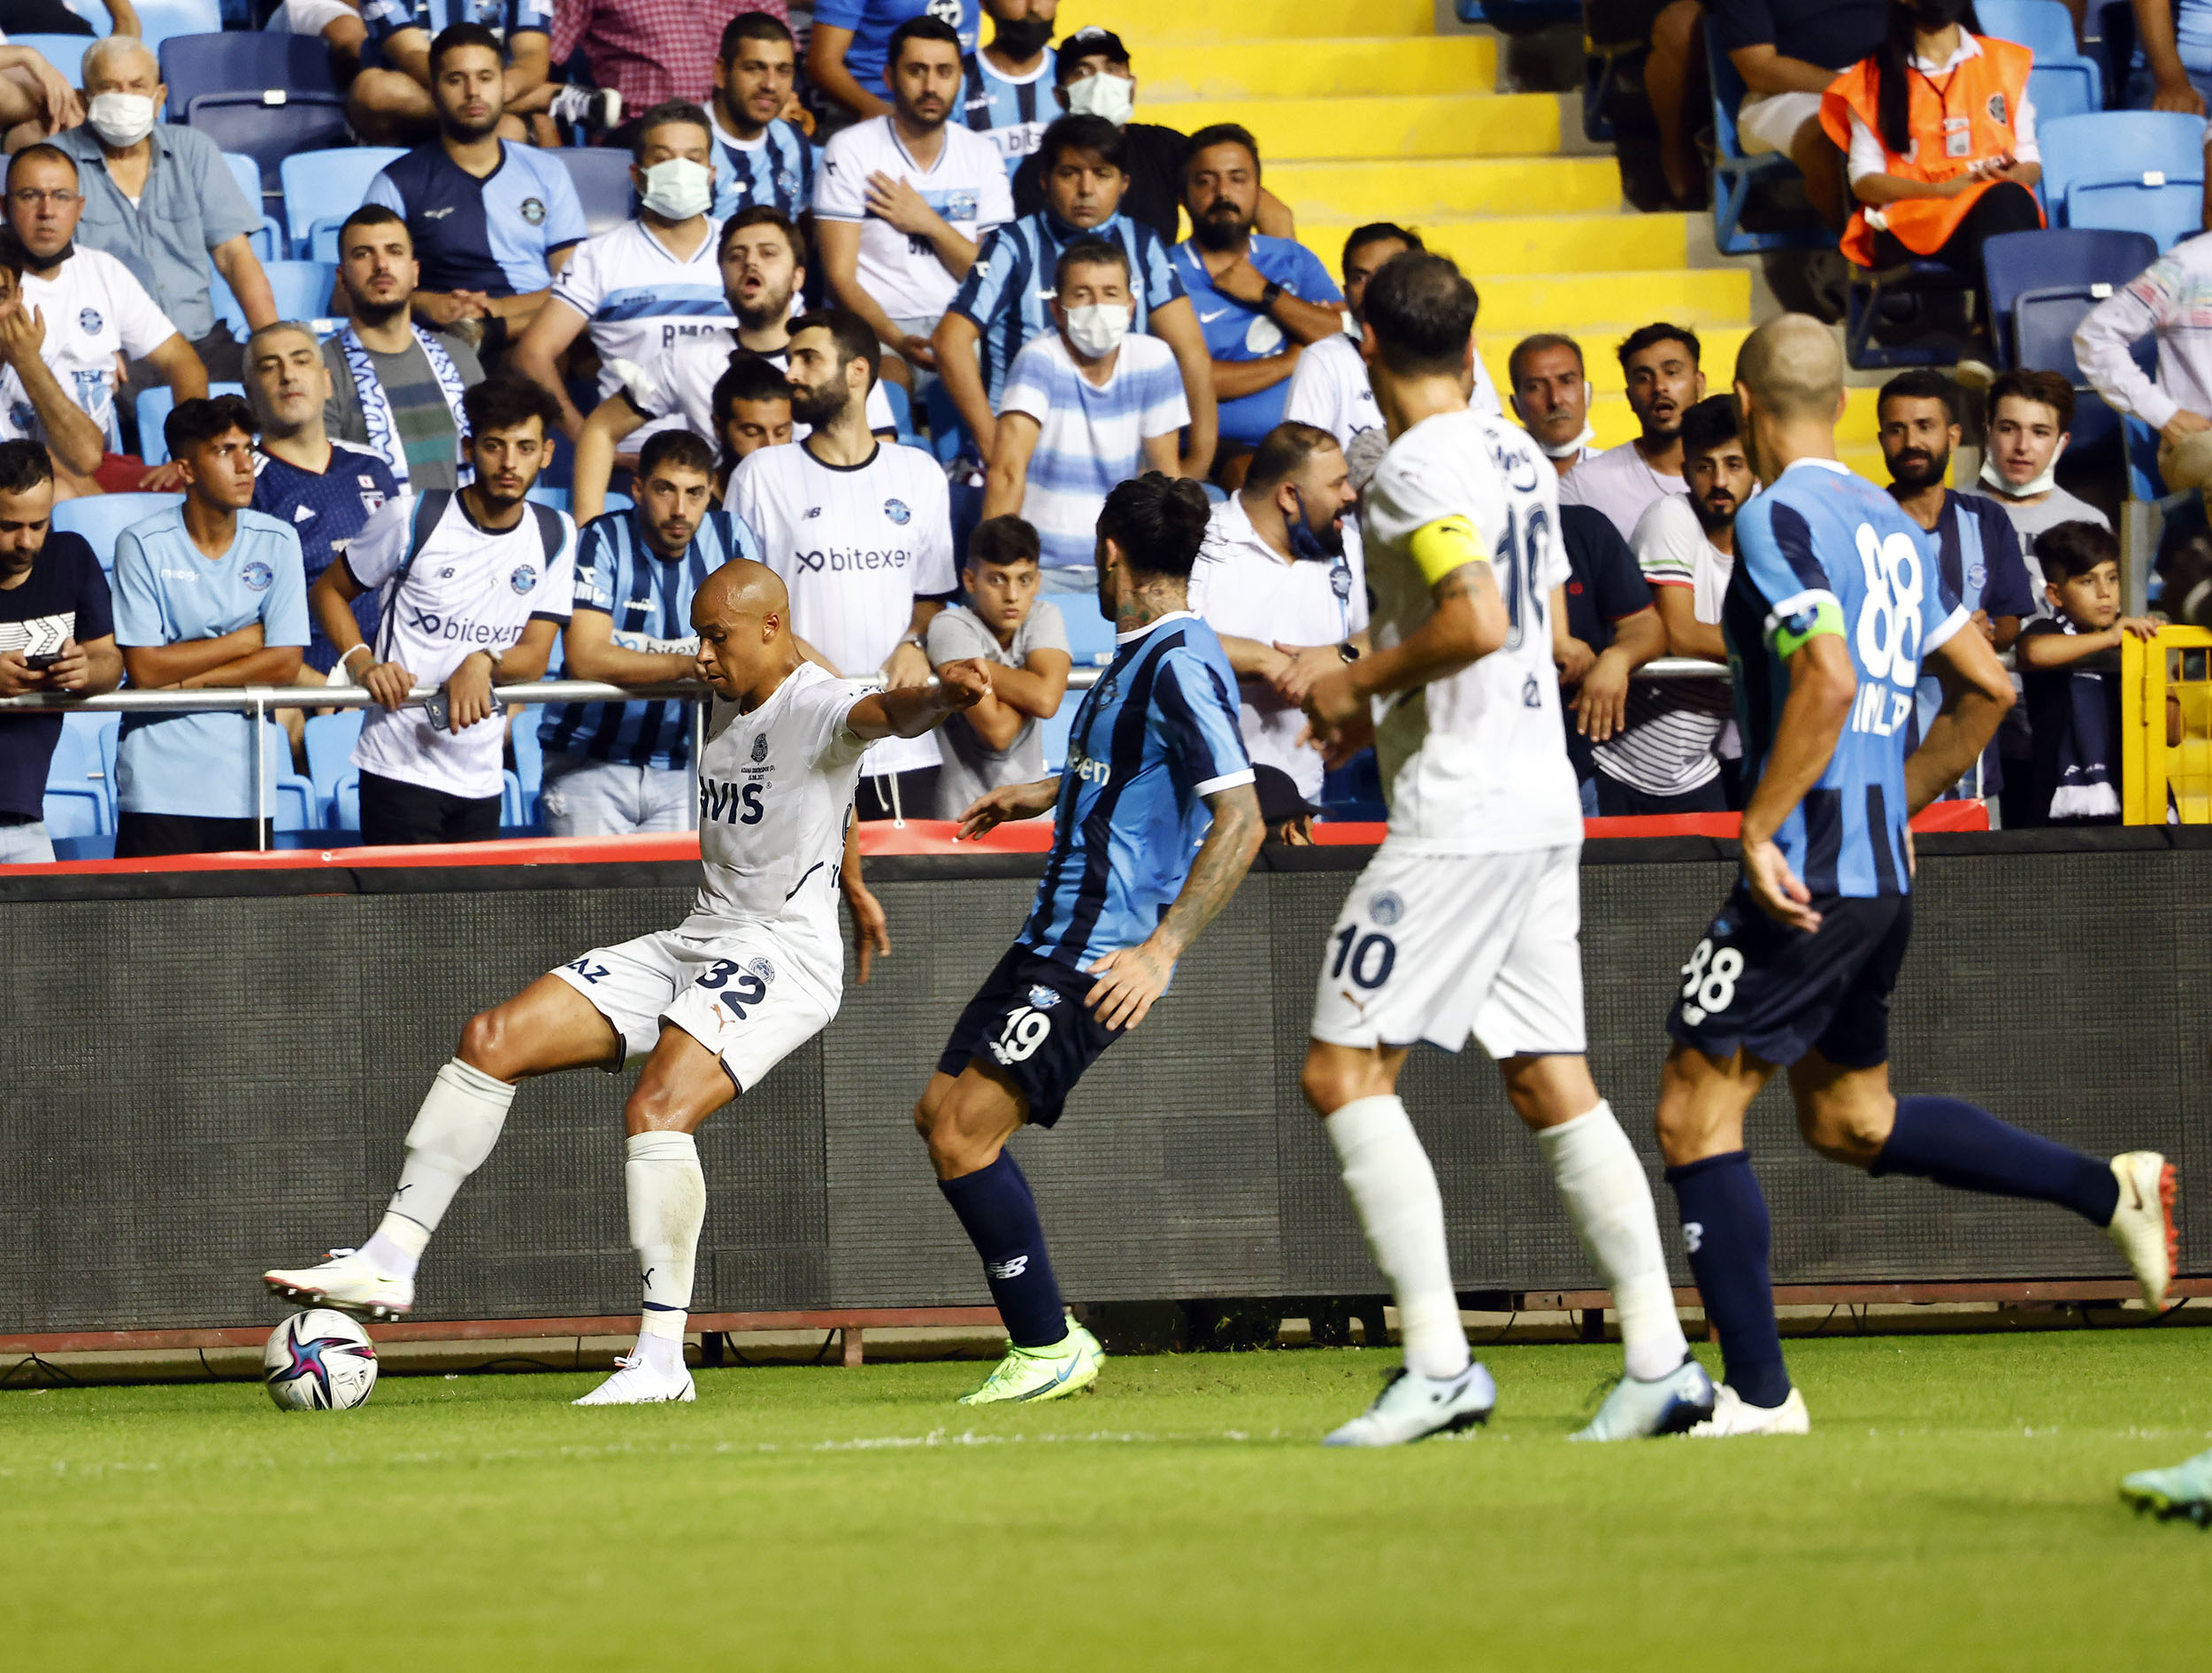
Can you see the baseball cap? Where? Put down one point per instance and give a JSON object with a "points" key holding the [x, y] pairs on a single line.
{"points": [[1090, 41]]}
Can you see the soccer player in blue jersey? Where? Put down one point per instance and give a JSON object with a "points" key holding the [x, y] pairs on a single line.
{"points": [[760, 130], [1155, 824], [1837, 603], [614, 769]]}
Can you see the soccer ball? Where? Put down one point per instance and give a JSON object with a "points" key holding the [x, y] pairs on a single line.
{"points": [[318, 1361]]}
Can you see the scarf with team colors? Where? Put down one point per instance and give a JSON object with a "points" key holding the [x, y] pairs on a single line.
{"points": [[376, 407]]}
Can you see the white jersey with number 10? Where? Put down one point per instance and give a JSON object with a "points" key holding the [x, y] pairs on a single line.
{"points": [[1476, 762]]}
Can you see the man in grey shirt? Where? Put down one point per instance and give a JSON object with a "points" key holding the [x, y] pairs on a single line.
{"points": [[161, 201], [1004, 622], [395, 386]]}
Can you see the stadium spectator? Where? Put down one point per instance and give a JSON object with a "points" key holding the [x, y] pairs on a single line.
{"points": [[1004, 303], [762, 130], [396, 387], [161, 200], [323, 491], [2170, 298], [475, 584], [2029, 416], [1003, 84], [1939, 136], [1330, 387], [1603, 628], [645, 52], [903, 198], [761, 272], [96, 313], [37, 100], [1674, 77], [1660, 365], [650, 282], [1282, 581], [393, 100], [207, 593], [1260, 300], [339, 23], [492, 222], [752, 411], [1788, 52], [860, 531], [2074, 712], [34, 405], [1551, 398], [1286, 815], [853, 50], [1091, 77], [612, 769], [1089, 406], [2172, 68], [1000, 619], [1668, 756], [57, 634]]}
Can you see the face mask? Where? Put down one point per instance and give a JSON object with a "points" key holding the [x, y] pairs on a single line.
{"points": [[1025, 37], [678, 188], [121, 119], [1098, 328], [1111, 96], [2034, 485], [1304, 543], [1568, 449]]}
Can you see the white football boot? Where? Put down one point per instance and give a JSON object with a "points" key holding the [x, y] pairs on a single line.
{"points": [[1733, 1416], [2143, 1224], [634, 1383], [1669, 1405], [348, 1281], [1413, 1407]]}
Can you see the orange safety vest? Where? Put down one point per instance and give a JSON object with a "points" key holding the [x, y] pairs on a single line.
{"points": [[1956, 119]]}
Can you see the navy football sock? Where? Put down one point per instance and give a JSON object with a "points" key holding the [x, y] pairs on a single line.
{"points": [[999, 1214], [1725, 1224], [1967, 1148]]}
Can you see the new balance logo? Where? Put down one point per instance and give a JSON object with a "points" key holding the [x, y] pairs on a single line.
{"points": [[1692, 1236], [1012, 1268], [436, 214]]}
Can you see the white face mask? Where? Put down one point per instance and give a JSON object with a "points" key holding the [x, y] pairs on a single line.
{"points": [[678, 188], [1111, 96], [1098, 328], [121, 119], [2042, 484]]}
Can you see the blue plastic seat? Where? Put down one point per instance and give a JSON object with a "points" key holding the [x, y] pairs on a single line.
{"points": [[901, 410], [73, 812], [269, 126], [100, 517], [529, 770], [196, 64], [2082, 258], [91, 737], [302, 289], [154, 407], [602, 176], [557, 498], [2138, 170], [64, 52], [290, 800], [2063, 82], [1090, 635], [1735, 174], [327, 187], [512, 812], [268, 240], [345, 802], [330, 739], [161, 21]]}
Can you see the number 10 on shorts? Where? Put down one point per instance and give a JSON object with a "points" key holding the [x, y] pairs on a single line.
{"points": [[1708, 981]]}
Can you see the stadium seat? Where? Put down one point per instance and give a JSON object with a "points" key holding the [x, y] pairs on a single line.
{"points": [[1863, 311], [330, 739], [902, 411], [618, 502], [602, 184], [302, 289], [74, 812], [345, 802], [161, 21], [153, 407], [557, 498], [2140, 170], [92, 737], [511, 812], [269, 126], [529, 770], [1090, 635], [76, 770], [268, 241], [291, 799], [1735, 174], [2043, 325], [328, 186], [64, 52], [2084, 257], [2063, 82], [249, 61], [101, 516]]}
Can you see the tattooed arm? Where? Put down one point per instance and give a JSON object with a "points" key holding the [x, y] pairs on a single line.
{"points": [[1132, 977]]}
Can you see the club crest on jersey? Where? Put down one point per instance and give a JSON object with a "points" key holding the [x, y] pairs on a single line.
{"points": [[1043, 998], [760, 747], [762, 968], [1997, 108], [533, 211], [256, 576], [1385, 910], [788, 184], [523, 579], [1977, 576], [896, 510], [88, 321], [23, 414], [946, 11], [962, 206]]}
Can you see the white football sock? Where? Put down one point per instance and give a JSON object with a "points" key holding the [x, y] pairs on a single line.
{"points": [[1394, 1189], [1609, 1199], [453, 1131], [668, 1207]]}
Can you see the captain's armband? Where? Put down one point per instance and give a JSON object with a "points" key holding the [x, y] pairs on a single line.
{"points": [[1807, 620], [1444, 545]]}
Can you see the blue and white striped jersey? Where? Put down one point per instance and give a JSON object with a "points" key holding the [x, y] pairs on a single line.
{"points": [[505, 18], [1012, 115], [777, 170], [1826, 551], [1008, 294], [649, 598], [1153, 738]]}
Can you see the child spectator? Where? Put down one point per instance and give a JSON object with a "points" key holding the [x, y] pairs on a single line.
{"points": [[1003, 621], [2075, 711]]}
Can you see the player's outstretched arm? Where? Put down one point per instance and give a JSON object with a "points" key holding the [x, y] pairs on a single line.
{"points": [[1008, 801], [1469, 624], [1130, 978], [1976, 692], [911, 710], [1822, 684]]}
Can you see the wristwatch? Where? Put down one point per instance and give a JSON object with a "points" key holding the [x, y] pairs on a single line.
{"points": [[1268, 297], [1348, 652]]}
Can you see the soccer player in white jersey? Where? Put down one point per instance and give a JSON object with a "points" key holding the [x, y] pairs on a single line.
{"points": [[754, 973], [1467, 921]]}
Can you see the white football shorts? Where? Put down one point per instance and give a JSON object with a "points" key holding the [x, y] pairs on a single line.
{"points": [[1447, 947], [737, 995]]}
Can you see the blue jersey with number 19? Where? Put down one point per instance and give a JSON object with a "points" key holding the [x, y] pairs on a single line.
{"points": [[1155, 736], [1823, 551]]}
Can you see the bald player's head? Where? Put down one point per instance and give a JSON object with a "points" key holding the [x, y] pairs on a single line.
{"points": [[742, 615], [1791, 369]]}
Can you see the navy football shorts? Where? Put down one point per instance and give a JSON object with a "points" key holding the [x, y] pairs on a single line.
{"points": [[1779, 993], [1028, 1021]]}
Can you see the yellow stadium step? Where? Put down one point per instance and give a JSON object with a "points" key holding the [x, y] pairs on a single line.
{"points": [[1416, 192], [1279, 69], [1147, 23], [1562, 302], [1421, 125], [1533, 243]]}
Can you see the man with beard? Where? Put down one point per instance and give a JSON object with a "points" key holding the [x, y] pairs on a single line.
{"points": [[1660, 364], [904, 200], [1551, 398], [2029, 415], [1002, 85], [492, 223], [861, 532], [396, 389], [761, 273], [760, 128], [1668, 757], [1979, 549]]}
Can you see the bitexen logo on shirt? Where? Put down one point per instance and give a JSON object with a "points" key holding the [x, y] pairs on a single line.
{"points": [[459, 631], [837, 562]]}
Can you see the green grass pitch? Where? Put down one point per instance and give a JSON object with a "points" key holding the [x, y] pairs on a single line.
{"points": [[1954, 1508]]}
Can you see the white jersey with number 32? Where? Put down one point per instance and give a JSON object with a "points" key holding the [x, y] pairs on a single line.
{"points": [[1476, 762]]}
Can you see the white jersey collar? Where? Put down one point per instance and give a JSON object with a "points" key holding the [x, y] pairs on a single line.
{"points": [[1837, 466], [1135, 633]]}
